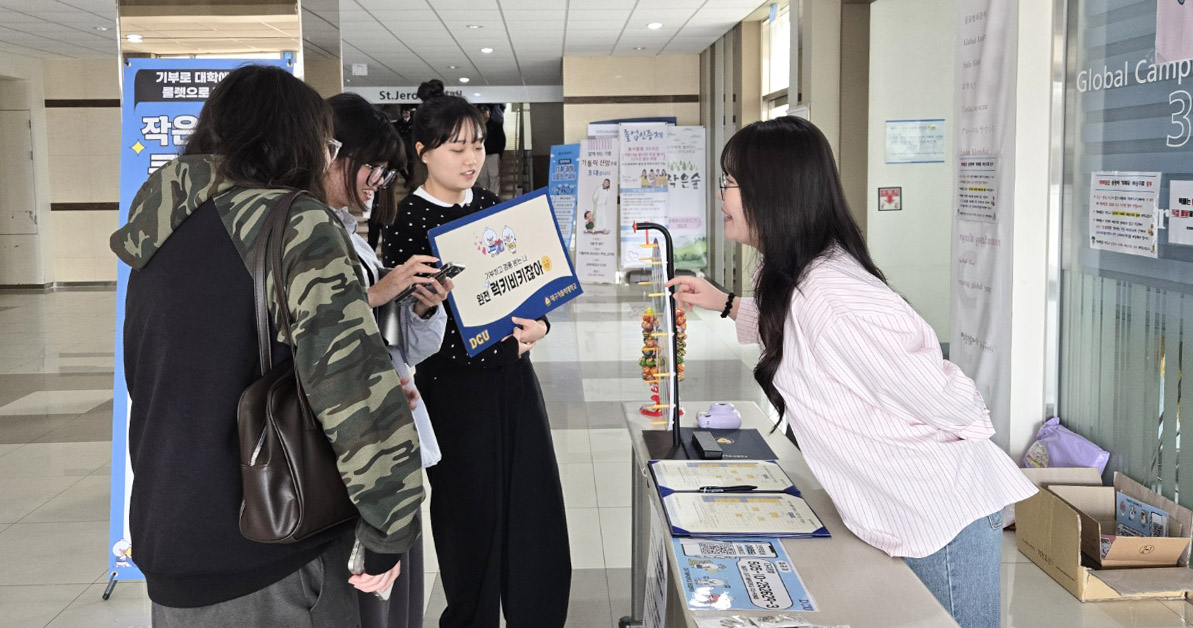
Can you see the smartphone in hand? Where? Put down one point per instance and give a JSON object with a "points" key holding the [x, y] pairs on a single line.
{"points": [[447, 271]]}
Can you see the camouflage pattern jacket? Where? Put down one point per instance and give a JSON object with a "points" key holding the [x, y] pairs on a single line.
{"points": [[343, 363]]}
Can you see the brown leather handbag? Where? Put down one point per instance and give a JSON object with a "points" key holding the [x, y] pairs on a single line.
{"points": [[292, 487]]}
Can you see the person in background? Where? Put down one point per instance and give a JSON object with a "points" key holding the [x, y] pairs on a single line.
{"points": [[367, 164], [497, 506], [190, 350], [402, 126], [859, 375], [490, 178]]}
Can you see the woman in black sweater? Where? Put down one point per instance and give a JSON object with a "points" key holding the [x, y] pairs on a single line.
{"points": [[497, 505]]}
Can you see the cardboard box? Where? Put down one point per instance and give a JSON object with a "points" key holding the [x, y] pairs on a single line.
{"points": [[1058, 535], [1096, 504], [1045, 476]]}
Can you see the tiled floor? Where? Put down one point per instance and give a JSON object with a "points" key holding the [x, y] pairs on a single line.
{"points": [[55, 428]]}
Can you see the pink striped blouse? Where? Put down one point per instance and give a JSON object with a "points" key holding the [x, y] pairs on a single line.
{"points": [[898, 437]]}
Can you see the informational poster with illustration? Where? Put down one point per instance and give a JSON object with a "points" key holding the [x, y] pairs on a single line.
{"points": [[753, 574], [691, 475], [1122, 212], [654, 613], [159, 110], [686, 201], [915, 141], [515, 262], [597, 209], [644, 184], [977, 183], [561, 186], [741, 514], [1180, 207]]}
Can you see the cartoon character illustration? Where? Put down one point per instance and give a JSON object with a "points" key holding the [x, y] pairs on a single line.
{"points": [[703, 597], [706, 565], [600, 207], [711, 582], [507, 237], [123, 551], [492, 242]]}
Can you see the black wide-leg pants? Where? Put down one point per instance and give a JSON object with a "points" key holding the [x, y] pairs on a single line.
{"points": [[496, 502]]}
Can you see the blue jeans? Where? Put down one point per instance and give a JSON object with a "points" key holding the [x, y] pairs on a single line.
{"points": [[964, 575]]}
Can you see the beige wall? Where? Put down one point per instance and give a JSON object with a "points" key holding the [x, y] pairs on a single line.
{"points": [[84, 157], [855, 108], [913, 246], [25, 258], [325, 75], [820, 66], [609, 77]]}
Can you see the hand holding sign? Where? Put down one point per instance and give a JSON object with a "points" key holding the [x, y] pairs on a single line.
{"points": [[518, 270], [528, 332]]}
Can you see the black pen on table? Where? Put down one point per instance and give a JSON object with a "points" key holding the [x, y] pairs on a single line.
{"points": [[741, 488]]}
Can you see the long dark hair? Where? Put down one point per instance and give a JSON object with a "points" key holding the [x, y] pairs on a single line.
{"points": [[437, 120], [368, 137], [269, 128], [792, 199]]}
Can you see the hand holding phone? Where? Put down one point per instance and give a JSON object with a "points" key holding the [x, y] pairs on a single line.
{"points": [[440, 277], [399, 281]]}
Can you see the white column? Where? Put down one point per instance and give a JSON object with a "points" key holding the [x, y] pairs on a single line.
{"points": [[1030, 252]]}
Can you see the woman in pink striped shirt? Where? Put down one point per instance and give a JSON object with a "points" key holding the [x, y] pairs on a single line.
{"points": [[898, 436]]}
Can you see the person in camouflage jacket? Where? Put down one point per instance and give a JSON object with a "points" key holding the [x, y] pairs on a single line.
{"points": [[190, 349]]}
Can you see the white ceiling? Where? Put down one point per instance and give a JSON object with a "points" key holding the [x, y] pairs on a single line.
{"points": [[58, 28], [405, 42]]}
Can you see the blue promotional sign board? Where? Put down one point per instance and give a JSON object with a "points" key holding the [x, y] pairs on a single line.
{"points": [[516, 264], [159, 110], [562, 180]]}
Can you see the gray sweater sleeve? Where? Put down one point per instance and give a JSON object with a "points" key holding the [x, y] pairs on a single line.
{"points": [[421, 338]]}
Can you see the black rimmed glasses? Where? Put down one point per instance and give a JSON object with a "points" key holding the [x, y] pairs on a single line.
{"points": [[724, 184], [380, 176]]}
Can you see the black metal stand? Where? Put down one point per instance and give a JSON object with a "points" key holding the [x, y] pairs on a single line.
{"points": [[111, 585], [676, 445]]}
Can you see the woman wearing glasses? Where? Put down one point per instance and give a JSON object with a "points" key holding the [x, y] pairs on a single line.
{"points": [[369, 152], [898, 436]]}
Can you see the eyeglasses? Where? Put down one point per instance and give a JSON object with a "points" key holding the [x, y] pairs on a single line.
{"points": [[724, 183], [333, 147], [379, 176]]}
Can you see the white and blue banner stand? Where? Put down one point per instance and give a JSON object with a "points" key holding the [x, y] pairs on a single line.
{"points": [[159, 110]]}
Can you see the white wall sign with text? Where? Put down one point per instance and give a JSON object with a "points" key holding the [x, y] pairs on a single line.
{"points": [[478, 94]]}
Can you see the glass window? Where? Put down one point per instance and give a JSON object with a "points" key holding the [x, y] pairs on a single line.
{"points": [[776, 52], [1126, 305]]}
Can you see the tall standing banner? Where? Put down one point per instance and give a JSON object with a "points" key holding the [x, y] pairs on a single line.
{"points": [[983, 205], [686, 215], [561, 185], [159, 109], [643, 182], [596, 211]]}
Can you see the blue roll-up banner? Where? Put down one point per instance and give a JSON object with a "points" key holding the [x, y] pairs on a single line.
{"points": [[159, 110], [561, 185], [516, 264]]}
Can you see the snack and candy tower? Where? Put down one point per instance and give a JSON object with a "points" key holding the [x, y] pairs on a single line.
{"points": [[651, 359], [664, 330]]}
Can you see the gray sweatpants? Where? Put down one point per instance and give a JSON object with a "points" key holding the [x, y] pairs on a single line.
{"points": [[316, 596]]}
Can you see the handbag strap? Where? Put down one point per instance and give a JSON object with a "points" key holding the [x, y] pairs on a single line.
{"points": [[269, 244]]}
